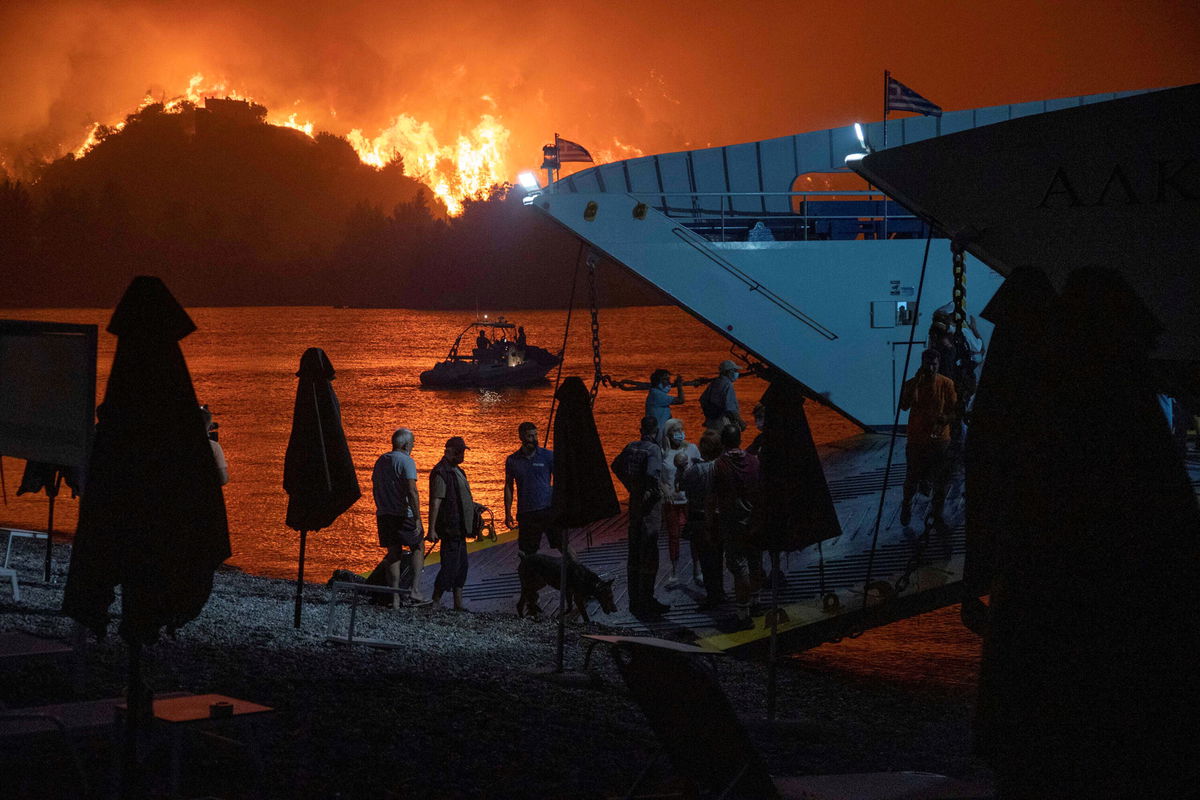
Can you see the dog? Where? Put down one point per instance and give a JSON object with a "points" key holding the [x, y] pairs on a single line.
{"points": [[538, 571]]}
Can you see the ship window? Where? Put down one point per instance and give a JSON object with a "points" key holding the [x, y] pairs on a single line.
{"points": [[829, 182]]}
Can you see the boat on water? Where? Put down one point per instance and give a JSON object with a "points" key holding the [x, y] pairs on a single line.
{"points": [[499, 357]]}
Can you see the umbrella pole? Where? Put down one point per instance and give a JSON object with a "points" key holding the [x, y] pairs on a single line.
{"points": [[52, 491], [563, 549], [134, 709], [771, 661], [300, 580]]}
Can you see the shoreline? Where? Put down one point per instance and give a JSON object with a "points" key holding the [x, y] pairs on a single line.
{"points": [[460, 709]]}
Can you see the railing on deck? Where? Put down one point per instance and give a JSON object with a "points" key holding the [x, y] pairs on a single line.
{"points": [[789, 216]]}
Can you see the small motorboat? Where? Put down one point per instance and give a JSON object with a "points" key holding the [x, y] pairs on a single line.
{"points": [[500, 357]]}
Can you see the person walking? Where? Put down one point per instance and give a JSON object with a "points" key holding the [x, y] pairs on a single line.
{"points": [[451, 512], [398, 518], [530, 470], [719, 401], [675, 501], [639, 468], [696, 479], [735, 490], [931, 400], [659, 399]]}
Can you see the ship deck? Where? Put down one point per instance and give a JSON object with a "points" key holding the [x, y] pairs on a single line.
{"points": [[911, 572]]}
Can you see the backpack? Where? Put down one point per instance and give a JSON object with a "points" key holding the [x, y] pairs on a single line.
{"points": [[738, 519], [708, 403], [630, 468]]}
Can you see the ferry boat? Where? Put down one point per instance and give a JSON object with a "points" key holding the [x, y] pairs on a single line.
{"points": [[765, 243], [500, 357]]}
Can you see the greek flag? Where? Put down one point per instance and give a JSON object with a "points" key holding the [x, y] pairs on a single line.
{"points": [[902, 98], [569, 151]]}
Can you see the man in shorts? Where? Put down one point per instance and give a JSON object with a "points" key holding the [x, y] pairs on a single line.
{"points": [[398, 518]]}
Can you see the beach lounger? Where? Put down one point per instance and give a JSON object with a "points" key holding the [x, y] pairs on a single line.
{"points": [[709, 749]]}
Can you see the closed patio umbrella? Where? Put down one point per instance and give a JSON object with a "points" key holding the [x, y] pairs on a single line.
{"points": [[1008, 420], [583, 490], [1088, 675], [795, 508], [152, 520], [318, 473]]}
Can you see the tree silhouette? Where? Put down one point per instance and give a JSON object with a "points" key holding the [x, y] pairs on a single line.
{"points": [[230, 211]]}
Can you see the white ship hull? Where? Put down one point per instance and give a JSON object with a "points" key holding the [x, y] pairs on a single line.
{"points": [[830, 300]]}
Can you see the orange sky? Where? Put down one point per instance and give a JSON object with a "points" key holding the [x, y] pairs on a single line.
{"points": [[657, 76]]}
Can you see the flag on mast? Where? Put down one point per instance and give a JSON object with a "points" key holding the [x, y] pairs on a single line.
{"points": [[901, 98], [569, 151]]}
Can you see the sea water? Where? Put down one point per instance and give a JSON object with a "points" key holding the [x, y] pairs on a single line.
{"points": [[243, 363]]}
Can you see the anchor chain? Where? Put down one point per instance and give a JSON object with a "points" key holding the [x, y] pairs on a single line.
{"points": [[598, 375], [960, 288], [626, 384]]}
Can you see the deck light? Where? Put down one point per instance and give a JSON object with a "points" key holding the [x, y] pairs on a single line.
{"points": [[862, 137], [528, 181]]}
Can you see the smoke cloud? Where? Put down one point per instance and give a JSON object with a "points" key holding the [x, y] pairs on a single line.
{"points": [[620, 78]]}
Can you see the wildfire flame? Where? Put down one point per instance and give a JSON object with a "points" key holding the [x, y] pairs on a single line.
{"points": [[466, 169]]}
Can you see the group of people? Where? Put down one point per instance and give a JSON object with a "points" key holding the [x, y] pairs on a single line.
{"points": [[703, 492], [452, 512], [501, 349], [398, 519]]}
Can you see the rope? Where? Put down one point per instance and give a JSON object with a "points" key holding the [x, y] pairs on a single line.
{"points": [[887, 470], [562, 353]]}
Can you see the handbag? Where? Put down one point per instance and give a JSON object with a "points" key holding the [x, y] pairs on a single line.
{"points": [[481, 527]]}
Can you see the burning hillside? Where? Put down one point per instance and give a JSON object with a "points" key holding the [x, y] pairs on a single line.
{"points": [[467, 169]]}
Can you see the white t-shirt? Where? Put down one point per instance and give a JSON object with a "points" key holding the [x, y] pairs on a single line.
{"points": [[675, 495]]}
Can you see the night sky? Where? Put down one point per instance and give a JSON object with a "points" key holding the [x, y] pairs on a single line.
{"points": [[620, 78]]}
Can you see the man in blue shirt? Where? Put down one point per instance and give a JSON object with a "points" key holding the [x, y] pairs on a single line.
{"points": [[531, 470], [659, 400]]}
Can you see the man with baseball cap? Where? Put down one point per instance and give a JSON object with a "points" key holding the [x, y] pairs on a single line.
{"points": [[719, 401], [451, 514]]}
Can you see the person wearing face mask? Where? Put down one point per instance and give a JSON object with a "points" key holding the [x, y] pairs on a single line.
{"points": [[659, 399], [719, 401], [675, 499]]}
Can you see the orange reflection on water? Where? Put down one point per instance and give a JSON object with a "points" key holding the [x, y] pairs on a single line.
{"points": [[243, 363]]}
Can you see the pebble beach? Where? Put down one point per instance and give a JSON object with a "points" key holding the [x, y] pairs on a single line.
{"points": [[461, 708]]}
